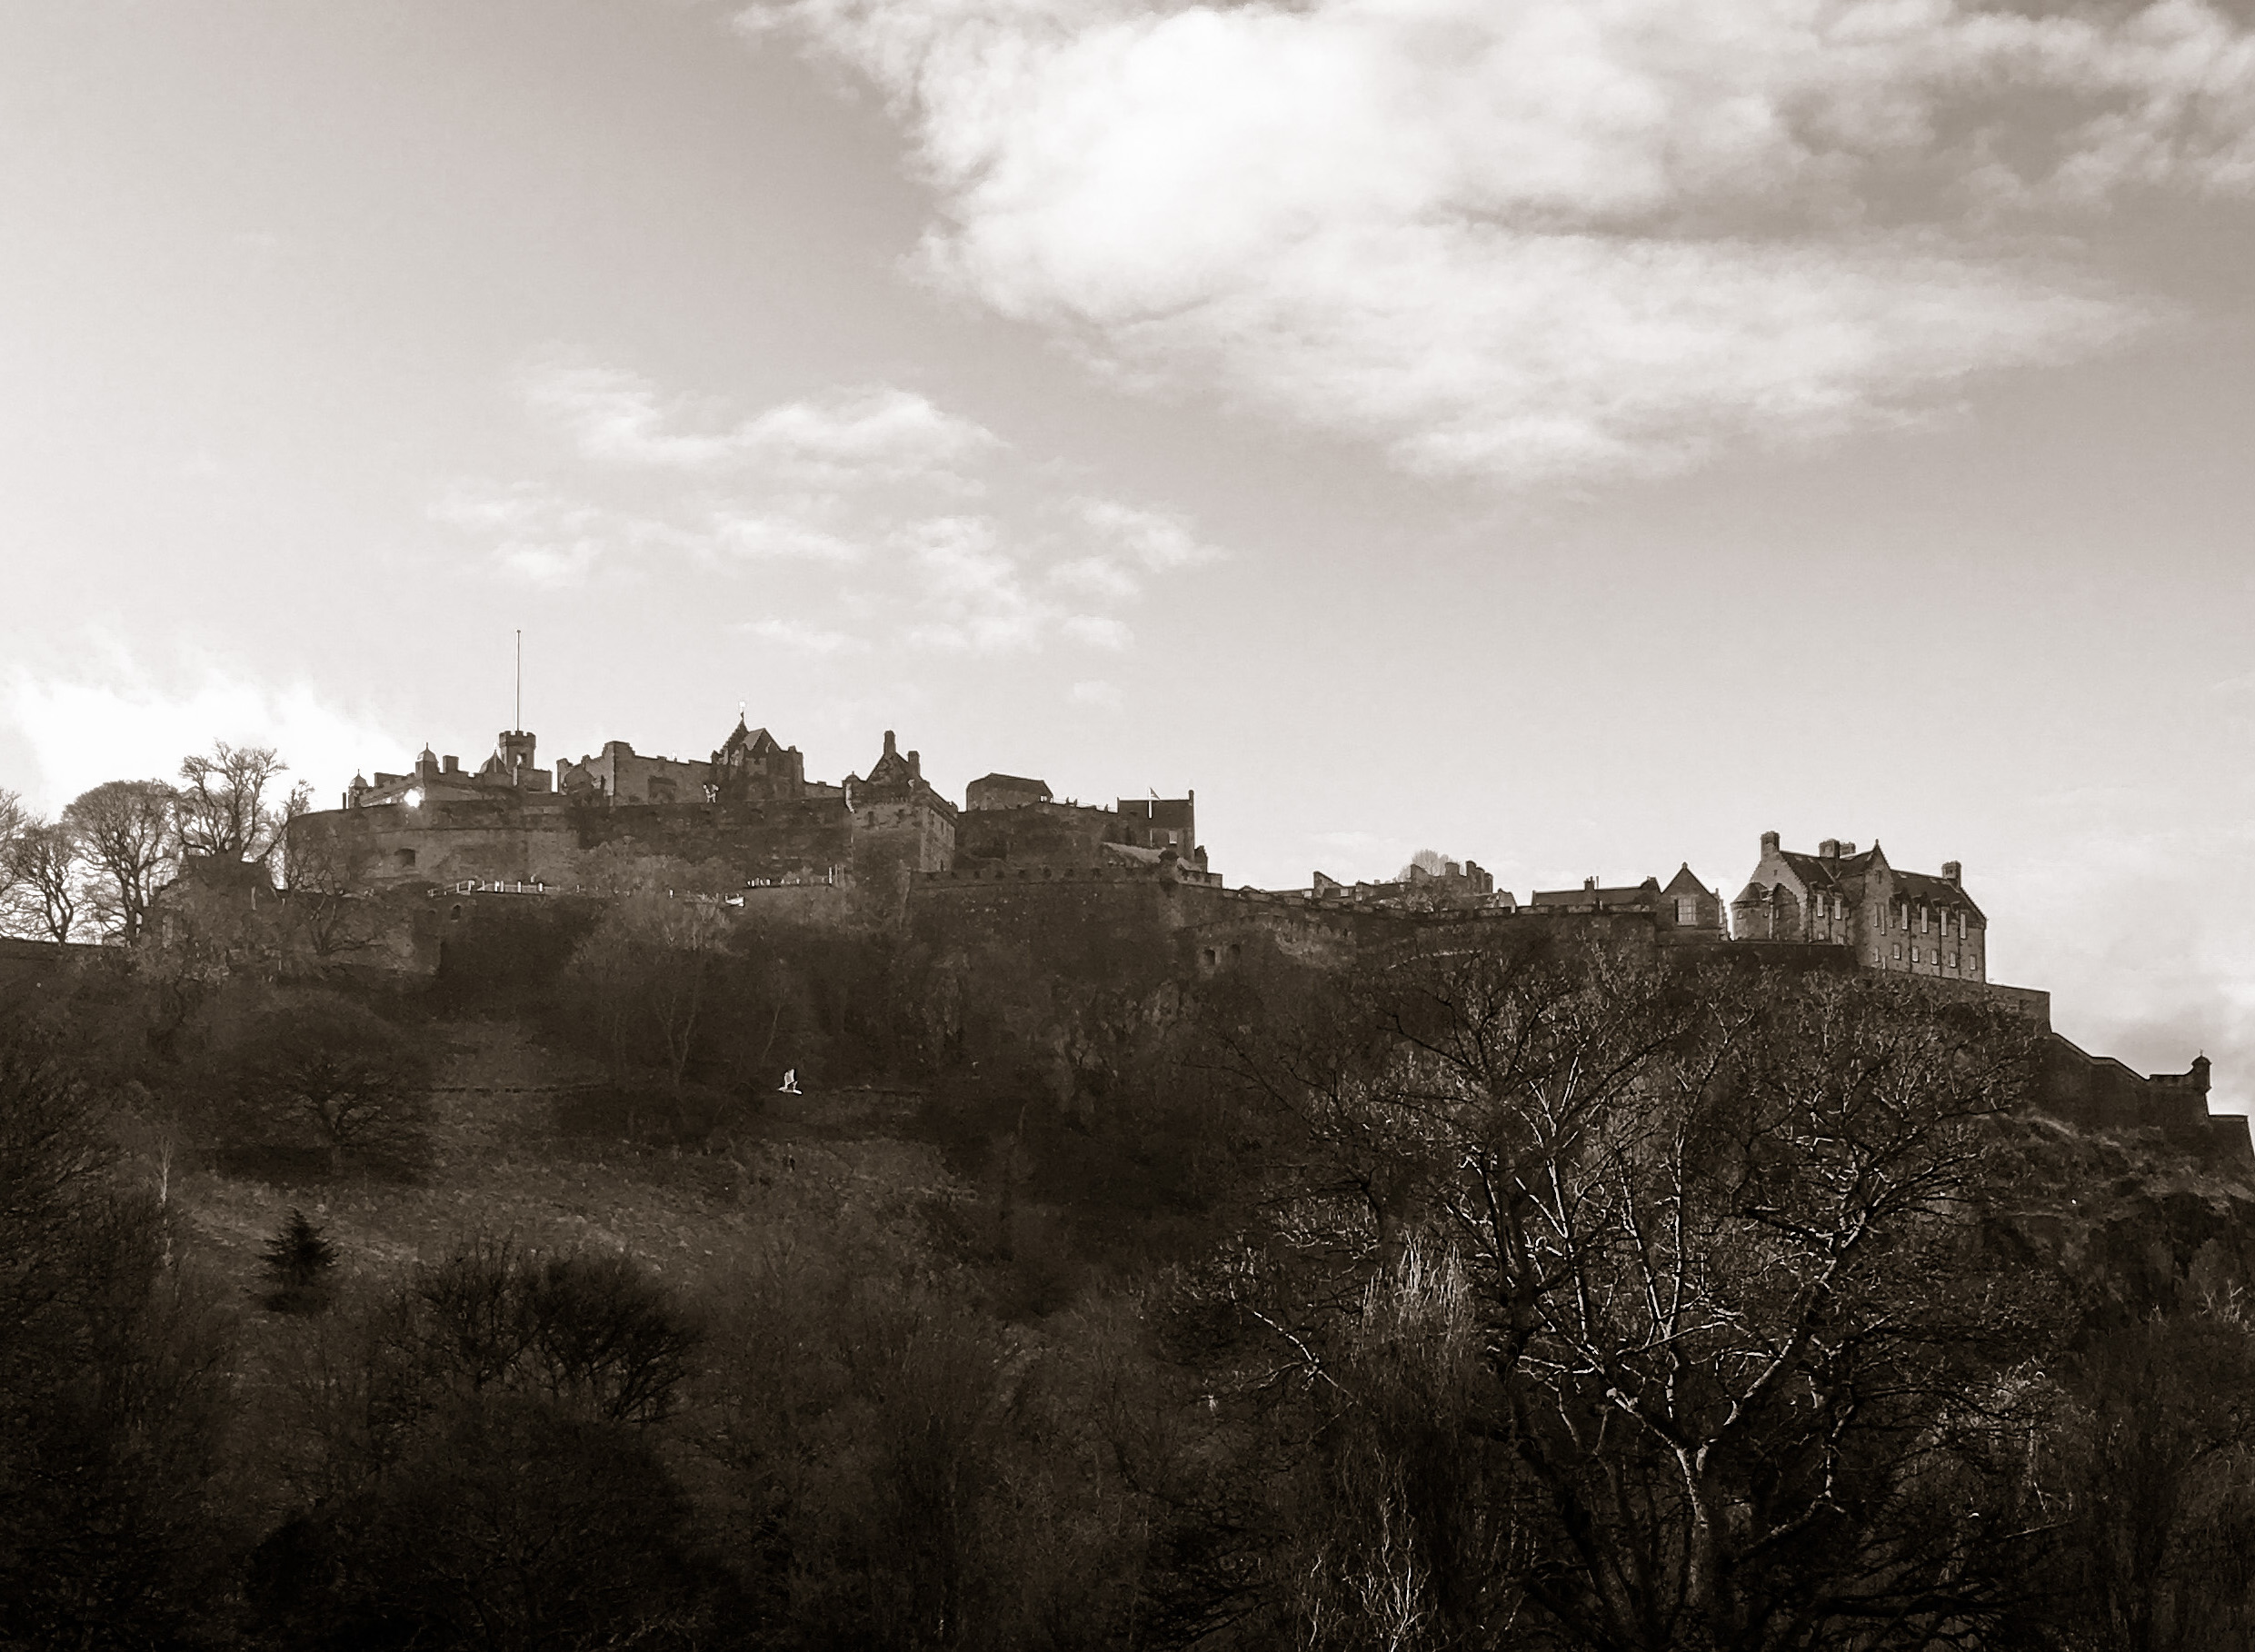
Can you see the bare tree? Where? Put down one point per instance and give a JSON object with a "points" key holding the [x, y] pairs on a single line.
{"points": [[222, 806], [328, 870], [1701, 1250], [48, 874], [326, 1066], [14, 820], [648, 966], [126, 829]]}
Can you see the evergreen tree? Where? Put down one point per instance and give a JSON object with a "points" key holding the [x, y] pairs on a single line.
{"points": [[298, 1263]]}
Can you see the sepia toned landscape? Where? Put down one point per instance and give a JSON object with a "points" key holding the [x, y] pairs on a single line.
{"points": [[1054, 1247]]}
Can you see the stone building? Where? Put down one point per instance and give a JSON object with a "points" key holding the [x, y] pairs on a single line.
{"points": [[620, 774], [754, 764], [1160, 823], [510, 768], [1004, 792], [1914, 923], [749, 814], [1684, 910], [1464, 883]]}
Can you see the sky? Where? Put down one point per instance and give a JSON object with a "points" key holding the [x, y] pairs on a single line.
{"points": [[1578, 435]]}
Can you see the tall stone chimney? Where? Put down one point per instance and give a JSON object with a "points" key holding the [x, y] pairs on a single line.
{"points": [[1769, 842], [1954, 873], [1830, 849]]}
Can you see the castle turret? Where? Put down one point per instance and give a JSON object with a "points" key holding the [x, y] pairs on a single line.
{"points": [[514, 749]]}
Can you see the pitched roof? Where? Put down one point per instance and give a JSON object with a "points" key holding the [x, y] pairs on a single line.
{"points": [[750, 739], [1934, 891], [1646, 891], [1841, 874]]}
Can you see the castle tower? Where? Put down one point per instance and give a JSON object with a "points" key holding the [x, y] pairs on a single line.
{"points": [[514, 749]]}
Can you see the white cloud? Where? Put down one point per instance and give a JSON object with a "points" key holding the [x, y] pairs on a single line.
{"points": [[1159, 541], [802, 637], [553, 540], [881, 434], [1549, 237], [1096, 576], [1098, 631], [971, 588], [123, 722], [765, 536], [654, 477], [1097, 693]]}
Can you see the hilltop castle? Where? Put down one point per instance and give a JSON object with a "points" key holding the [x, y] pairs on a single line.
{"points": [[1030, 895], [747, 815]]}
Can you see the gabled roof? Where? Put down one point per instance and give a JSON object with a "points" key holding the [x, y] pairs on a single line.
{"points": [[1842, 875], [1686, 882], [752, 741], [1018, 781]]}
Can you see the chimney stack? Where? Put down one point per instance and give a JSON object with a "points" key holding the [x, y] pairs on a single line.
{"points": [[1952, 871], [889, 752], [1830, 849], [1588, 883], [1769, 842]]}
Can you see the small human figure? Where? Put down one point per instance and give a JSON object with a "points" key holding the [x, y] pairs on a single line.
{"points": [[790, 1085]]}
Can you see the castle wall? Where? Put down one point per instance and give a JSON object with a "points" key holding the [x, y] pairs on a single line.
{"points": [[626, 776], [1056, 835], [568, 844]]}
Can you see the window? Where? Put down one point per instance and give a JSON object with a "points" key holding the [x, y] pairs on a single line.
{"points": [[1898, 951], [1914, 955], [1687, 910]]}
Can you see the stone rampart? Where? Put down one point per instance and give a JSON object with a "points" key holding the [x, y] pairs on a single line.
{"points": [[542, 838]]}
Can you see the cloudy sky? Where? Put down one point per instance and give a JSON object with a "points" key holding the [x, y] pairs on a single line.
{"points": [[1577, 434]]}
